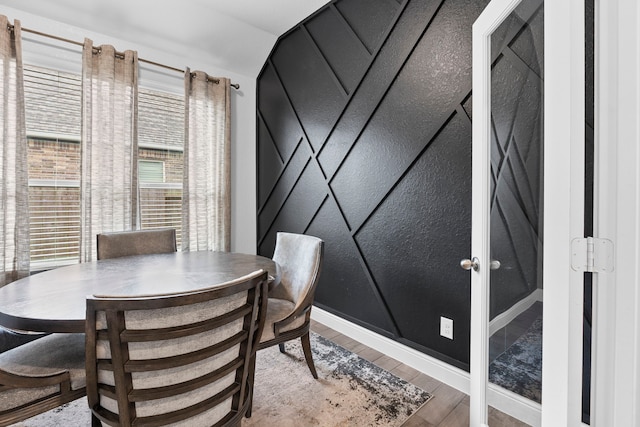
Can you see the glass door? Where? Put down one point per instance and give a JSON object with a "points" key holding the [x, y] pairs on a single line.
{"points": [[516, 202], [509, 236]]}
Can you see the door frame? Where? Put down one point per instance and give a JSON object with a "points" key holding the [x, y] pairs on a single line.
{"points": [[564, 212], [563, 209], [616, 353]]}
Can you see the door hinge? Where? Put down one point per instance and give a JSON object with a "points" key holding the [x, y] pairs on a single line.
{"points": [[592, 254]]}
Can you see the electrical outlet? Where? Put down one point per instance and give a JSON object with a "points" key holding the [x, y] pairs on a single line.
{"points": [[446, 327]]}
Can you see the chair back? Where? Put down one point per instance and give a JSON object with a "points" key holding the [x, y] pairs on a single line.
{"points": [[175, 358], [41, 375], [300, 259], [137, 242]]}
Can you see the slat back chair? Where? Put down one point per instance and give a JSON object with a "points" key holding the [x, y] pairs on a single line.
{"points": [[175, 358], [289, 310], [137, 242], [41, 375]]}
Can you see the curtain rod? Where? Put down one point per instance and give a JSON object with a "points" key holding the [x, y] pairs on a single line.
{"points": [[168, 67]]}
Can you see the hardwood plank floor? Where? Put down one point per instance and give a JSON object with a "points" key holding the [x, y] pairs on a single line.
{"points": [[448, 408]]}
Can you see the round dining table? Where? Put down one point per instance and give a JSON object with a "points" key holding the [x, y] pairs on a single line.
{"points": [[55, 300]]}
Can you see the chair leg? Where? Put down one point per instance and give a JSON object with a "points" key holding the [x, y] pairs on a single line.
{"points": [[252, 376], [95, 421], [306, 348], [281, 347]]}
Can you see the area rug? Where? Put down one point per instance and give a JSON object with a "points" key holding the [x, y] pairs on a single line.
{"points": [[519, 368], [349, 391]]}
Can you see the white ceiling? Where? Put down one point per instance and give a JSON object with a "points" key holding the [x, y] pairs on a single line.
{"points": [[235, 35]]}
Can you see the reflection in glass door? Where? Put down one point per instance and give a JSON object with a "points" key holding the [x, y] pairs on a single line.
{"points": [[516, 195]]}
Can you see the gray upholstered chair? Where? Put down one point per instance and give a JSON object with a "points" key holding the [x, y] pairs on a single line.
{"points": [[137, 242], [289, 309], [10, 339], [41, 375], [175, 358]]}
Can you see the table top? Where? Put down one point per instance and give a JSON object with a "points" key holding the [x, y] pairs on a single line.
{"points": [[55, 300]]}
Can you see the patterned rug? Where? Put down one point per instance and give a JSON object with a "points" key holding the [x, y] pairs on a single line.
{"points": [[519, 368], [349, 391]]}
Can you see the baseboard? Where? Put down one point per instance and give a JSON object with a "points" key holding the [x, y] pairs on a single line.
{"points": [[507, 402], [443, 372], [503, 319], [515, 405]]}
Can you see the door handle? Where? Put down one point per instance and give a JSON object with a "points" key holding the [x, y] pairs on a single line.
{"points": [[474, 264], [468, 264]]}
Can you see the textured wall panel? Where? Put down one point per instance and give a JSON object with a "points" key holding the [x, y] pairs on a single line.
{"points": [[317, 104], [416, 264], [271, 166], [345, 53], [382, 92], [408, 118], [350, 281], [387, 64], [299, 208], [285, 184], [370, 20], [279, 117]]}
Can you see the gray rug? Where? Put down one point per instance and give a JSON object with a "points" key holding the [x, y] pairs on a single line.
{"points": [[519, 368], [350, 391]]}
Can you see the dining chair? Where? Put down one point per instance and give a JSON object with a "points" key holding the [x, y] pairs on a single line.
{"points": [[41, 375], [175, 358], [289, 308], [10, 339], [137, 242]]}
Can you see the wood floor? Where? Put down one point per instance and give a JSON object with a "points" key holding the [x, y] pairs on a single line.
{"points": [[448, 408]]}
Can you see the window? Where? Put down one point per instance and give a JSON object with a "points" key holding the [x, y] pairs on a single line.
{"points": [[160, 159], [150, 171], [52, 103], [53, 118]]}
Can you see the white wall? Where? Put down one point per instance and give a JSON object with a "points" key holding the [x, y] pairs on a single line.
{"points": [[38, 51]]}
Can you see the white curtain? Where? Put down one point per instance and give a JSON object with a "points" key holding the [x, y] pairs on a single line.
{"points": [[206, 199], [109, 172], [14, 176]]}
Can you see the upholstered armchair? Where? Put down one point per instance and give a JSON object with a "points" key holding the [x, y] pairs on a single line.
{"points": [[289, 309]]}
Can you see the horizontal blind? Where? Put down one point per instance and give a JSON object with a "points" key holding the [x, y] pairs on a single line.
{"points": [[160, 165], [53, 119], [160, 120], [55, 225], [52, 102]]}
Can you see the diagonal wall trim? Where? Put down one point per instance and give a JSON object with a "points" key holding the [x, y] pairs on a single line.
{"points": [[350, 28], [374, 57], [375, 288], [389, 84], [384, 197], [447, 117], [262, 121], [284, 168], [332, 71], [266, 232]]}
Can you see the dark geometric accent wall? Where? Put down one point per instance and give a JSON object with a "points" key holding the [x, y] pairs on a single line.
{"points": [[364, 140]]}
